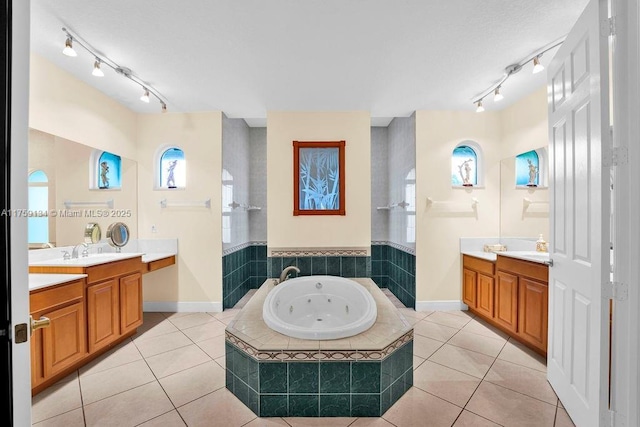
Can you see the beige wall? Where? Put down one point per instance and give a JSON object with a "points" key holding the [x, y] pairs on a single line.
{"points": [[61, 105], [199, 271], [439, 227], [524, 128], [352, 230]]}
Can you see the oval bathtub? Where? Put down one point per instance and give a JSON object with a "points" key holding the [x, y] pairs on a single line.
{"points": [[319, 308]]}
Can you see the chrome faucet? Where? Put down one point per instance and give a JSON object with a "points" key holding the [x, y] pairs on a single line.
{"points": [[85, 252], [287, 272]]}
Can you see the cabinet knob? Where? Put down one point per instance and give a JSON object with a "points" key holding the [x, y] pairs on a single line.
{"points": [[43, 322], [549, 263]]}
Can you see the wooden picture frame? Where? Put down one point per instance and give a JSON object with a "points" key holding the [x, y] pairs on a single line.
{"points": [[318, 182]]}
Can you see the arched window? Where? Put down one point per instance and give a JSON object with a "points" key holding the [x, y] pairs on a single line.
{"points": [[465, 166], [172, 168], [38, 202], [528, 169], [108, 171]]}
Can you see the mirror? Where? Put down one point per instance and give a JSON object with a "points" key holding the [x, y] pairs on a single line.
{"points": [[59, 184], [118, 235], [524, 208], [92, 233]]}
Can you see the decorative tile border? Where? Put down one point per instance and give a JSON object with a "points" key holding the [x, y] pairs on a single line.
{"points": [[398, 246], [292, 355], [304, 252]]}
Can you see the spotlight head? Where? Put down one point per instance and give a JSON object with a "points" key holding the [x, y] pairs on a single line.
{"points": [[480, 108], [68, 47], [96, 69], [145, 96], [537, 66], [497, 96]]}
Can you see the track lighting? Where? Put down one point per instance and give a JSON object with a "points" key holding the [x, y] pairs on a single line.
{"points": [[96, 69], [480, 108], [145, 96], [68, 47], [101, 59], [497, 96], [537, 66]]}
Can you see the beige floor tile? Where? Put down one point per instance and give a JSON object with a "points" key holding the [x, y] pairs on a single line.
{"points": [[193, 319], [469, 362], [563, 419], [445, 383], [515, 352], [163, 343], [129, 408], [214, 347], [222, 362], [73, 418], [461, 313], [228, 313], [175, 315], [170, 419], [177, 360], [480, 327], [417, 361], [424, 347], [434, 330], [115, 380], [481, 344], [152, 317], [125, 353], [560, 405], [221, 406], [58, 399], [193, 383], [413, 316], [469, 419], [446, 319], [523, 380], [205, 331], [371, 422], [420, 409], [510, 408], [154, 329], [319, 422], [267, 422]]}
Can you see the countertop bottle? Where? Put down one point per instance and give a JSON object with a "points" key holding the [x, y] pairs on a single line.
{"points": [[541, 245]]}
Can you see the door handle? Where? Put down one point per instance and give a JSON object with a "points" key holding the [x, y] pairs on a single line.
{"points": [[549, 263], [43, 322]]}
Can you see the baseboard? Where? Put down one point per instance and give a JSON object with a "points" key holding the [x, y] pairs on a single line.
{"points": [[182, 306], [445, 305]]}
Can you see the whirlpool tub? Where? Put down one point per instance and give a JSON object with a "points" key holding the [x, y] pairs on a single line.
{"points": [[319, 308]]}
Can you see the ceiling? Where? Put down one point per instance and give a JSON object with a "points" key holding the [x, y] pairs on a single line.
{"points": [[246, 57]]}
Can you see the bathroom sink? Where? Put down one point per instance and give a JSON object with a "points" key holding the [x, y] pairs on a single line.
{"points": [[541, 257], [93, 259]]}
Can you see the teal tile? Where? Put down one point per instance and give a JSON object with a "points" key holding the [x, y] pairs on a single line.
{"points": [[385, 372], [253, 401], [241, 390], [304, 264], [333, 266], [273, 377], [229, 380], [276, 266], [365, 377], [385, 401], [335, 405], [335, 377], [228, 355], [288, 261], [348, 266], [241, 366], [408, 379], [274, 405], [365, 405], [318, 265], [361, 266], [397, 389], [253, 374], [303, 405], [303, 377]]}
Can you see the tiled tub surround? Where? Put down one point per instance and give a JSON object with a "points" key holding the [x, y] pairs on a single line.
{"points": [[243, 269], [275, 375], [343, 266], [395, 269]]}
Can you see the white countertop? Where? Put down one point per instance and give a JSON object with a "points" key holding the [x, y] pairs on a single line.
{"points": [[93, 259], [533, 256], [489, 256], [39, 281], [156, 256]]}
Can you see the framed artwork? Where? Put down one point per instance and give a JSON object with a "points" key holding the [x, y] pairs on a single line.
{"points": [[318, 178]]}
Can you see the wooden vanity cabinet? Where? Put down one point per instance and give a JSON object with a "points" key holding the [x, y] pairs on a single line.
{"points": [[130, 302], [478, 284], [507, 301], [103, 309]]}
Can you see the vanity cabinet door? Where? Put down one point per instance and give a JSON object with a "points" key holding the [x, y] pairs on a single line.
{"points": [[485, 295], [64, 342], [130, 302], [506, 301], [469, 289], [103, 312], [533, 300]]}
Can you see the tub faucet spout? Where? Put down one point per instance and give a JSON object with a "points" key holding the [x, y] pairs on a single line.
{"points": [[287, 272]]}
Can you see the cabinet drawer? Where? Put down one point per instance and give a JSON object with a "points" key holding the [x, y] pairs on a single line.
{"points": [[521, 267], [48, 298], [479, 265], [113, 269]]}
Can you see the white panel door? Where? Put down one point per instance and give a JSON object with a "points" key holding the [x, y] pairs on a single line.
{"points": [[578, 362]]}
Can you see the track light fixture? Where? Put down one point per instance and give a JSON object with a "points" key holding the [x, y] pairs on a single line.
{"points": [[513, 69], [96, 69], [103, 60], [68, 47]]}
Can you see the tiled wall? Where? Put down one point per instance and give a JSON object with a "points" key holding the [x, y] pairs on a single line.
{"points": [[395, 269], [319, 389], [379, 184], [343, 266], [258, 184], [242, 270]]}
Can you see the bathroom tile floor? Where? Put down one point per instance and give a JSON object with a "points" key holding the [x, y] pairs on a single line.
{"points": [[171, 373]]}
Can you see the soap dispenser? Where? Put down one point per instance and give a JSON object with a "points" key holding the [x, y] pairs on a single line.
{"points": [[541, 245]]}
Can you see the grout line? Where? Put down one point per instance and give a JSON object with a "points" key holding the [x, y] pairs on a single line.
{"points": [[478, 415], [158, 416], [555, 417], [84, 418]]}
